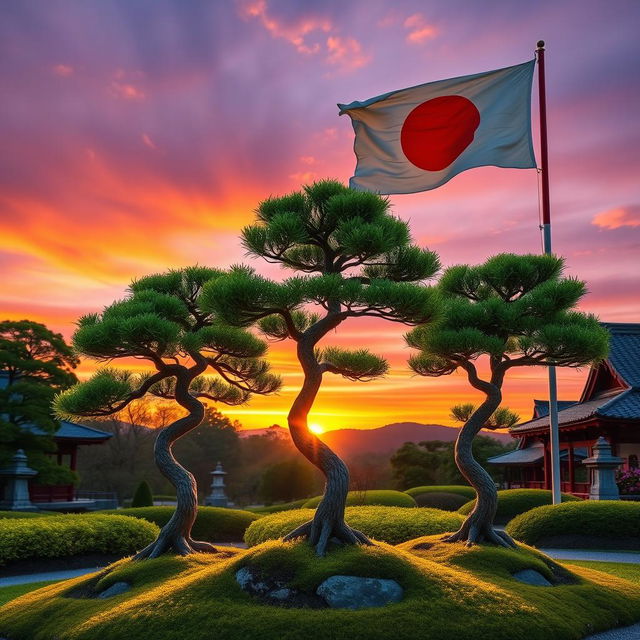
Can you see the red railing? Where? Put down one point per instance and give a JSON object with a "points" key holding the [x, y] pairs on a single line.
{"points": [[43, 493]]}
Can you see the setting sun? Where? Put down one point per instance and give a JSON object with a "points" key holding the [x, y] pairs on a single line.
{"points": [[316, 428]]}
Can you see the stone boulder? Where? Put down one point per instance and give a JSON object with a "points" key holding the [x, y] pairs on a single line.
{"points": [[353, 592]]}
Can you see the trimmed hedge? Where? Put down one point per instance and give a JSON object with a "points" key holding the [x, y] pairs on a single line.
{"points": [[276, 508], [605, 519], [441, 500], [380, 497], [390, 524], [213, 524], [20, 515], [459, 489], [72, 535], [513, 502]]}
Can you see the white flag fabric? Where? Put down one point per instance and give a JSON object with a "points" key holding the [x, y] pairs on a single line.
{"points": [[417, 139]]}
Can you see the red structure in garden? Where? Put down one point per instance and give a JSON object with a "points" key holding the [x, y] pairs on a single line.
{"points": [[609, 407]]}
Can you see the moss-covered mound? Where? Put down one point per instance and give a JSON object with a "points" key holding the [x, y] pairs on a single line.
{"points": [[459, 489], [381, 497], [213, 524], [444, 501], [513, 502], [19, 515], [389, 524], [607, 524], [71, 535], [449, 592]]}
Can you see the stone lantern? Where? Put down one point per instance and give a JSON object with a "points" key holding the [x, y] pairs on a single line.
{"points": [[217, 497], [16, 489], [603, 467]]}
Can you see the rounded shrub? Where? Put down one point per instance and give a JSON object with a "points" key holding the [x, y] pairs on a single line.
{"points": [[440, 500], [142, 496], [282, 506], [213, 524], [590, 522], [72, 535], [389, 524], [459, 489], [13, 515], [381, 497], [513, 502]]}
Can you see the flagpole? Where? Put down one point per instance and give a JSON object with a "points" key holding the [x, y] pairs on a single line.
{"points": [[546, 231]]}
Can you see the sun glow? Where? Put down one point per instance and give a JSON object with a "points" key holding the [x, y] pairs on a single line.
{"points": [[316, 428]]}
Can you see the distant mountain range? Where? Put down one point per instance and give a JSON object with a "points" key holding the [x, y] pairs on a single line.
{"points": [[350, 442]]}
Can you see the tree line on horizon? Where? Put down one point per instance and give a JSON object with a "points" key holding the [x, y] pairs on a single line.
{"points": [[352, 259]]}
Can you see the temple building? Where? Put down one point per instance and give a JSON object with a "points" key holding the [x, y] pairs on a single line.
{"points": [[609, 406]]}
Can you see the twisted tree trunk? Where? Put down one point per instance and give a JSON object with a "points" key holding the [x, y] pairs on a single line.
{"points": [[478, 527], [328, 521], [176, 534]]}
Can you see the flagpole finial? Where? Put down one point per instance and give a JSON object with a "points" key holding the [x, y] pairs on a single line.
{"points": [[540, 44]]}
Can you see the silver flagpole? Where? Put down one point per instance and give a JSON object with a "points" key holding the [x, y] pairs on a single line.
{"points": [[554, 436]]}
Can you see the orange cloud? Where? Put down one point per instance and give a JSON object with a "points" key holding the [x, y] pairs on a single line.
{"points": [[619, 217], [126, 91], [419, 29]]}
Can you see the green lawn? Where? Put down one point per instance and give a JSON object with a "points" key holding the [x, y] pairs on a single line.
{"points": [[625, 570], [9, 593]]}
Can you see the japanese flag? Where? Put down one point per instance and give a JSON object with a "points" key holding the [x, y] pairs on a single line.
{"points": [[417, 139]]}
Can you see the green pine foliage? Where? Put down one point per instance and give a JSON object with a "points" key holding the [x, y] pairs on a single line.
{"points": [[142, 496]]}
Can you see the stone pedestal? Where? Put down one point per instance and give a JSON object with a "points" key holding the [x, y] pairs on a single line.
{"points": [[217, 497], [603, 467], [16, 488]]}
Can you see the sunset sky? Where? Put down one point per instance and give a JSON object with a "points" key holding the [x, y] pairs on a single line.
{"points": [[139, 136]]}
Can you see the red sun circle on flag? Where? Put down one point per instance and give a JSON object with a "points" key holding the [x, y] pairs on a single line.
{"points": [[437, 131]]}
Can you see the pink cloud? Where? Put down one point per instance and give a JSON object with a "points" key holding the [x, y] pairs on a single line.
{"points": [[63, 70], [619, 217], [126, 91], [419, 29], [346, 53], [294, 34]]}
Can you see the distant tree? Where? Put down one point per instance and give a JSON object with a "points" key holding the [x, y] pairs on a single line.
{"points": [[142, 496], [362, 265], [35, 364], [161, 322], [516, 311], [287, 481]]}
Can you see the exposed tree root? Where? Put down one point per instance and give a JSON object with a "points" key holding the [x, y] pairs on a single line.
{"points": [[320, 531], [177, 544], [472, 533]]}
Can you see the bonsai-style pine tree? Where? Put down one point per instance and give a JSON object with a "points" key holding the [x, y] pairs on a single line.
{"points": [[517, 311], [361, 264], [501, 418], [161, 322]]}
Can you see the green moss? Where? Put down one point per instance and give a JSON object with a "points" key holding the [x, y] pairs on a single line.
{"points": [[456, 593], [462, 490], [390, 524], [213, 524], [512, 502], [18, 515], [382, 497], [16, 590], [597, 519], [70, 535], [437, 500]]}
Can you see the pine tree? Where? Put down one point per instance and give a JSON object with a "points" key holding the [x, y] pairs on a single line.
{"points": [[517, 311], [161, 322], [360, 263]]}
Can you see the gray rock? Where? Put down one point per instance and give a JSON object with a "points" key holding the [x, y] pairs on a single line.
{"points": [[353, 592], [533, 577], [250, 582], [115, 590], [281, 594]]}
